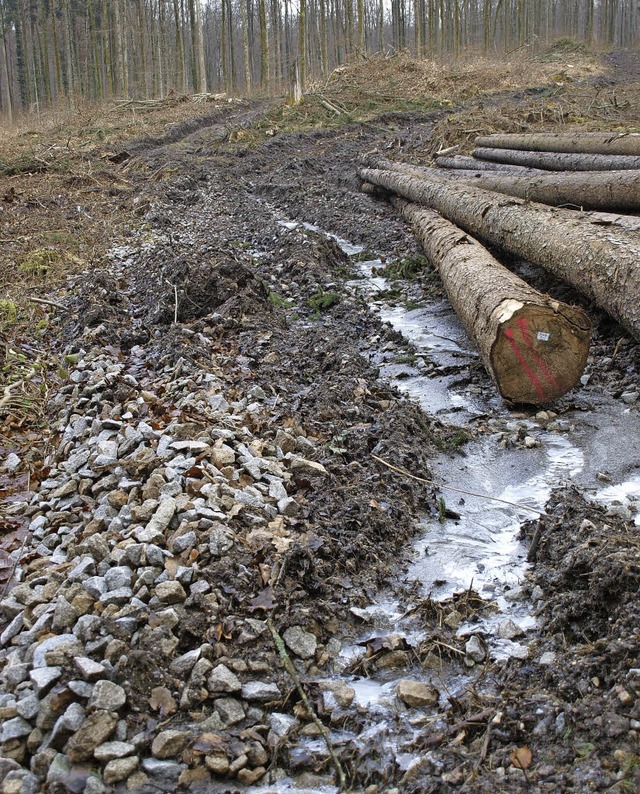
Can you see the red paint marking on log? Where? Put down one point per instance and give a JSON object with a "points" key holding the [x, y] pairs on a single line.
{"points": [[524, 327], [528, 371]]}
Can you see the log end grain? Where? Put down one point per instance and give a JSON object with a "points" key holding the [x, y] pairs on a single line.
{"points": [[540, 352]]}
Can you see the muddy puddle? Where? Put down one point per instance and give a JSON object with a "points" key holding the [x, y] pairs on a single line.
{"points": [[502, 478]]}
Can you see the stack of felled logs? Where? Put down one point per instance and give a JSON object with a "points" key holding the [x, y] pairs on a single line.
{"points": [[535, 348]]}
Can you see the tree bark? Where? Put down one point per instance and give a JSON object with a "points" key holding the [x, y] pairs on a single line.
{"points": [[459, 161], [534, 348], [599, 262], [597, 190], [560, 161], [623, 143]]}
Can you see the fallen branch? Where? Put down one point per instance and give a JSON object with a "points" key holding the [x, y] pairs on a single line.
{"points": [[291, 670], [440, 485], [6, 398], [46, 302]]}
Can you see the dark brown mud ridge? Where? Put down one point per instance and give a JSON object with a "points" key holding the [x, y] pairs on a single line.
{"points": [[219, 285]]}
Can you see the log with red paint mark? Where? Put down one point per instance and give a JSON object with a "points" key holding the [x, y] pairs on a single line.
{"points": [[534, 347]]}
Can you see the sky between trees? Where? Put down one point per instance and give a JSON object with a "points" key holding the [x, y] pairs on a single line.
{"points": [[54, 51]]}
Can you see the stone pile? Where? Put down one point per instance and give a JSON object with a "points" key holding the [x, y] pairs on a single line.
{"points": [[145, 494]]}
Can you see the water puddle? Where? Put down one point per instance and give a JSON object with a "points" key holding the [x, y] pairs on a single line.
{"points": [[481, 548]]}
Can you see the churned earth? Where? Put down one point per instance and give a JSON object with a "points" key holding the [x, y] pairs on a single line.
{"points": [[208, 535]]}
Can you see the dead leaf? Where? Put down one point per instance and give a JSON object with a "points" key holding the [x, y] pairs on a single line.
{"points": [[265, 573], [171, 565], [163, 701], [521, 758], [264, 600], [282, 544], [208, 742]]}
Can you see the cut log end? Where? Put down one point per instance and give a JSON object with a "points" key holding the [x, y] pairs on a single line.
{"points": [[539, 353]]}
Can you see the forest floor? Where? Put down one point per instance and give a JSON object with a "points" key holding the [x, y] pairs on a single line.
{"points": [[191, 402]]}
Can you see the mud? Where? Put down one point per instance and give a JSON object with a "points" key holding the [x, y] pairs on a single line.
{"points": [[217, 255]]}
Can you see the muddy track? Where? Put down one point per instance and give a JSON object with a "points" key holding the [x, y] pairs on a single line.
{"points": [[230, 356]]}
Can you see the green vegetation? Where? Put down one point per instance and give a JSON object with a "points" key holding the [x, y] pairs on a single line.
{"points": [[8, 312], [278, 301], [407, 268], [320, 301], [452, 441], [38, 263]]}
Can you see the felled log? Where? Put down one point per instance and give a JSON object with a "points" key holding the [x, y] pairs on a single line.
{"points": [[470, 163], [597, 190], [599, 262], [558, 161], [579, 142], [535, 348]]}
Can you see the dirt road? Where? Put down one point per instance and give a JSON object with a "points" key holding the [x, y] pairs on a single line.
{"points": [[233, 391]]}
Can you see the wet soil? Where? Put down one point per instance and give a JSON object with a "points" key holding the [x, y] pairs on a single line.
{"points": [[214, 253]]}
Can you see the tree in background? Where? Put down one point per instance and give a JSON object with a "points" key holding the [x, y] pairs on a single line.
{"points": [[56, 52]]}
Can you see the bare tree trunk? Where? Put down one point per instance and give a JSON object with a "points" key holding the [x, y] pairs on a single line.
{"points": [[246, 51], [601, 263], [180, 49], [302, 43], [617, 190], [7, 99], [264, 44], [199, 44], [560, 161], [578, 142], [535, 348], [470, 163]]}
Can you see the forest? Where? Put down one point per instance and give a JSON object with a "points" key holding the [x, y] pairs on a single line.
{"points": [[60, 51]]}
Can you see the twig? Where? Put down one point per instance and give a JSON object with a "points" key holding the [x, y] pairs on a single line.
{"points": [[457, 490], [46, 302], [6, 398], [484, 749], [532, 554], [291, 670]]}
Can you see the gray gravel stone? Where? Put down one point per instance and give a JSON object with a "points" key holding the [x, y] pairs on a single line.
{"points": [[120, 596], [96, 586], [261, 691], [119, 769], [107, 696], [300, 642], [509, 630], [168, 771], [111, 750], [168, 744], [170, 592], [282, 724], [183, 665], [475, 649], [61, 644], [15, 728], [28, 706], [43, 678], [118, 577], [163, 515], [230, 710], [88, 669], [222, 679]]}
